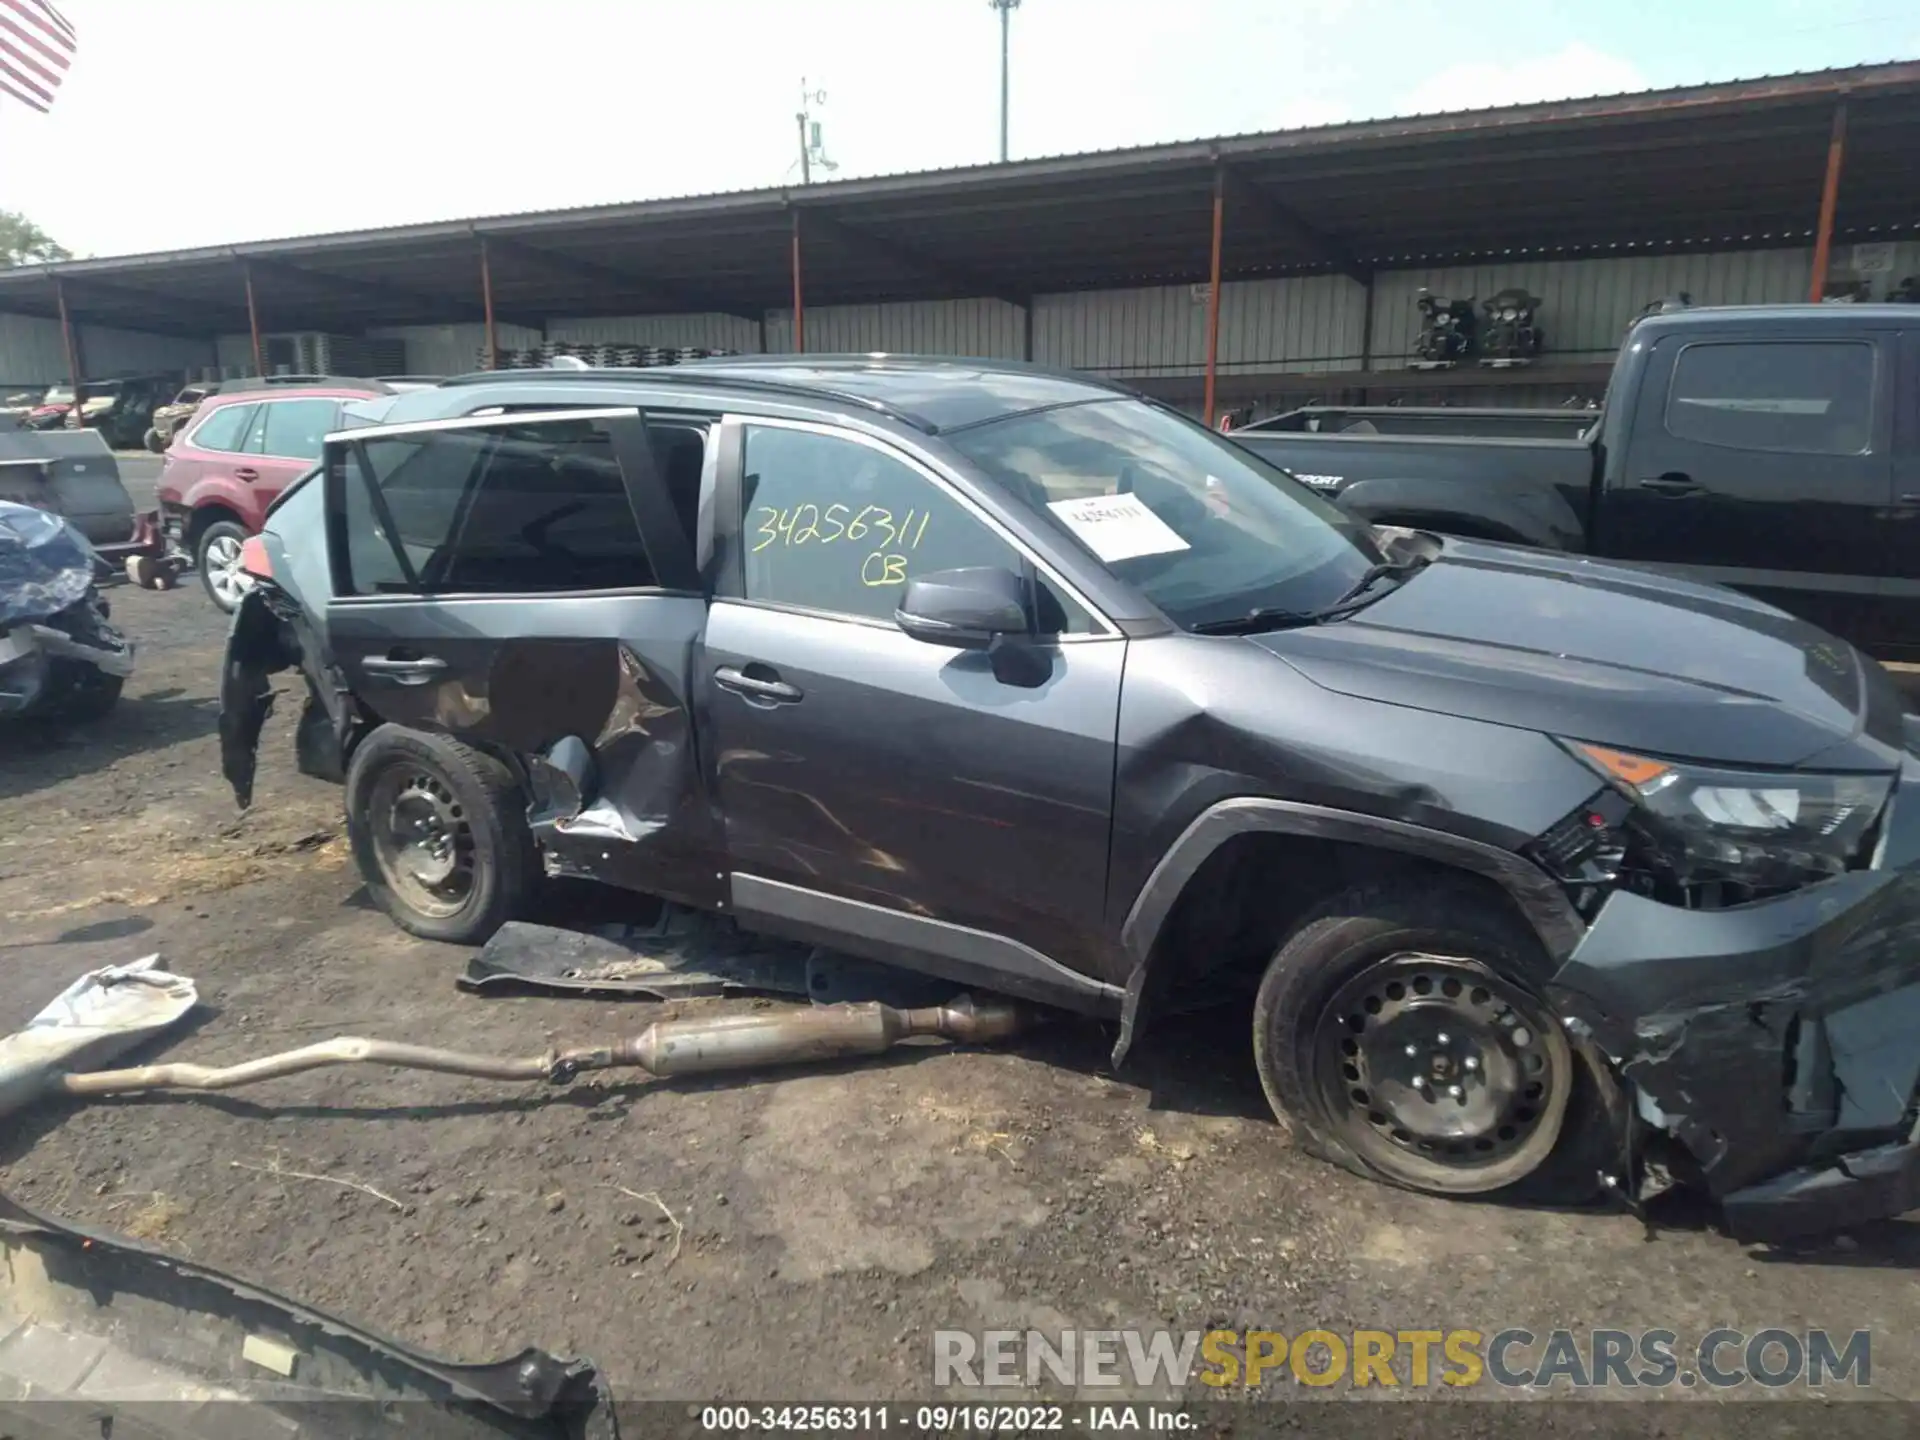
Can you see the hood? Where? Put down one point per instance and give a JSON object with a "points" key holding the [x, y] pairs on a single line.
{"points": [[45, 564], [1608, 653]]}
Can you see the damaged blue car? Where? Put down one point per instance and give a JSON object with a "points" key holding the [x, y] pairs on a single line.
{"points": [[60, 656]]}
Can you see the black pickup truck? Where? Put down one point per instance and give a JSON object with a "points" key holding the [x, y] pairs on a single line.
{"points": [[1775, 449]]}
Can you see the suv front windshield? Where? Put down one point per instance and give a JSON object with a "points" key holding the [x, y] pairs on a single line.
{"points": [[1205, 530]]}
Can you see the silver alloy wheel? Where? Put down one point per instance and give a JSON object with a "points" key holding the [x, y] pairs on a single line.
{"points": [[225, 578]]}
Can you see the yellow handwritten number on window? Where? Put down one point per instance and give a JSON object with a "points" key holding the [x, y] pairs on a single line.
{"points": [[808, 521]]}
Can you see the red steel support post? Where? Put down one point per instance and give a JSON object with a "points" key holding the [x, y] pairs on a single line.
{"points": [[253, 320], [486, 299], [1213, 286], [1829, 201], [799, 305], [73, 345]]}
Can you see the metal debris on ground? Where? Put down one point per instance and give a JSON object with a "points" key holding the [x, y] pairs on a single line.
{"points": [[684, 955], [86, 1025], [98, 1018]]}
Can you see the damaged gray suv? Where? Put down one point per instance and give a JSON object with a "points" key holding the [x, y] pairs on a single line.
{"points": [[1544, 875]]}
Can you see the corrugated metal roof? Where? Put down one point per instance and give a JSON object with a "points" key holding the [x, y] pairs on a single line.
{"points": [[1713, 166]]}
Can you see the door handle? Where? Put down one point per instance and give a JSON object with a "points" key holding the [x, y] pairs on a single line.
{"points": [[1672, 483], [246, 472], [414, 670], [753, 687]]}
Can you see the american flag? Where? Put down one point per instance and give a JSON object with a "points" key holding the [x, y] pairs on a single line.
{"points": [[36, 47]]}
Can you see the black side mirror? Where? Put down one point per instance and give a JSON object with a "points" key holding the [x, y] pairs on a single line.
{"points": [[965, 609]]}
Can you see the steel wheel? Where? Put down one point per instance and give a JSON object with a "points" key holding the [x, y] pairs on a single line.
{"points": [[422, 840], [1442, 1073]]}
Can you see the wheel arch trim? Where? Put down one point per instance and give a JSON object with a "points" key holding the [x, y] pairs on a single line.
{"points": [[1539, 898]]}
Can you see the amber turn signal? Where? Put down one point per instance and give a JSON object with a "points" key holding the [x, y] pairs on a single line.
{"points": [[1634, 770]]}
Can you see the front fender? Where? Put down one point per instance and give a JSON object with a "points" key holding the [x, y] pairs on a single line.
{"points": [[1539, 898]]}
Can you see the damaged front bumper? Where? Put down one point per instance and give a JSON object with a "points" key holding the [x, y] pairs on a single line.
{"points": [[1778, 1042], [29, 650]]}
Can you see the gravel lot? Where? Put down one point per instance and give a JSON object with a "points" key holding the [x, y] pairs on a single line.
{"points": [[823, 1223]]}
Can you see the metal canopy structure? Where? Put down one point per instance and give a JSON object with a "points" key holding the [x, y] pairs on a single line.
{"points": [[1712, 167]]}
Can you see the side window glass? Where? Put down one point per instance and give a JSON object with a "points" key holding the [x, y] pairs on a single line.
{"points": [[549, 513], [256, 430], [400, 500], [1807, 398], [533, 509], [296, 429], [836, 525], [223, 429]]}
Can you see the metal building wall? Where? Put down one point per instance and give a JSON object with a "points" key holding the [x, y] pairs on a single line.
{"points": [[452, 349], [1309, 323], [1301, 324], [32, 351], [709, 332], [984, 327]]}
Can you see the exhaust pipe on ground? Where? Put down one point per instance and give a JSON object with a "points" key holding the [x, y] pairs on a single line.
{"points": [[665, 1048]]}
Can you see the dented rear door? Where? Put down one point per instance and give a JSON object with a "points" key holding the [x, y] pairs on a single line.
{"points": [[525, 584]]}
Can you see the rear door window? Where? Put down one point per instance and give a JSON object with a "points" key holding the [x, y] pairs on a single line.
{"points": [[532, 508], [1798, 397], [224, 429], [296, 429]]}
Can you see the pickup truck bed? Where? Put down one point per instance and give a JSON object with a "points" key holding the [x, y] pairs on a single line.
{"points": [[1775, 449]]}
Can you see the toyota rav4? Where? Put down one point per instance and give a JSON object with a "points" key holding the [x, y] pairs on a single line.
{"points": [[1536, 868]]}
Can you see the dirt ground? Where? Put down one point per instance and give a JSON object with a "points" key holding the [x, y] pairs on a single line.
{"points": [[798, 1235]]}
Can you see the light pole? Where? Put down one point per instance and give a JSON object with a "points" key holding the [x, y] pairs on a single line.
{"points": [[812, 149], [1006, 9]]}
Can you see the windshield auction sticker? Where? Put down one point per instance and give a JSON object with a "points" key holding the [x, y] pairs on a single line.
{"points": [[1117, 527]]}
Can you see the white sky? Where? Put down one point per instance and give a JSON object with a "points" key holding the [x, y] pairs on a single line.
{"points": [[197, 122]]}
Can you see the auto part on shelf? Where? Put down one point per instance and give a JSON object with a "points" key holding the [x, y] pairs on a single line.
{"points": [[1446, 331], [1511, 335], [664, 1048]]}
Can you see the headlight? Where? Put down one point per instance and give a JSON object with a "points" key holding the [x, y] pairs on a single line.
{"points": [[1760, 830]]}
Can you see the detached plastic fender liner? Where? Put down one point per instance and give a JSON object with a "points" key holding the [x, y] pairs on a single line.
{"points": [[1538, 896], [254, 652]]}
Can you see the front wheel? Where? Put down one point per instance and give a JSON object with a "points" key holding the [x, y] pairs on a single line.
{"points": [[439, 832], [1402, 1032], [82, 693]]}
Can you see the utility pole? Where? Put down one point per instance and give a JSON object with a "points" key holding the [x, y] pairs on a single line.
{"points": [[813, 150], [1006, 9]]}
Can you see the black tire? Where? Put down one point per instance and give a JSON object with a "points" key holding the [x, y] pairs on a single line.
{"points": [[215, 567], [1483, 968], [82, 693], [155, 441], [394, 768]]}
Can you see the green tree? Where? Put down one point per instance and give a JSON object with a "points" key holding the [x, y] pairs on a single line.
{"points": [[22, 242]]}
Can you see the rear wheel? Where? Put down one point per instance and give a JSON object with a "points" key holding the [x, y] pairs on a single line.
{"points": [[439, 831], [216, 554], [155, 441], [1402, 1032]]}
